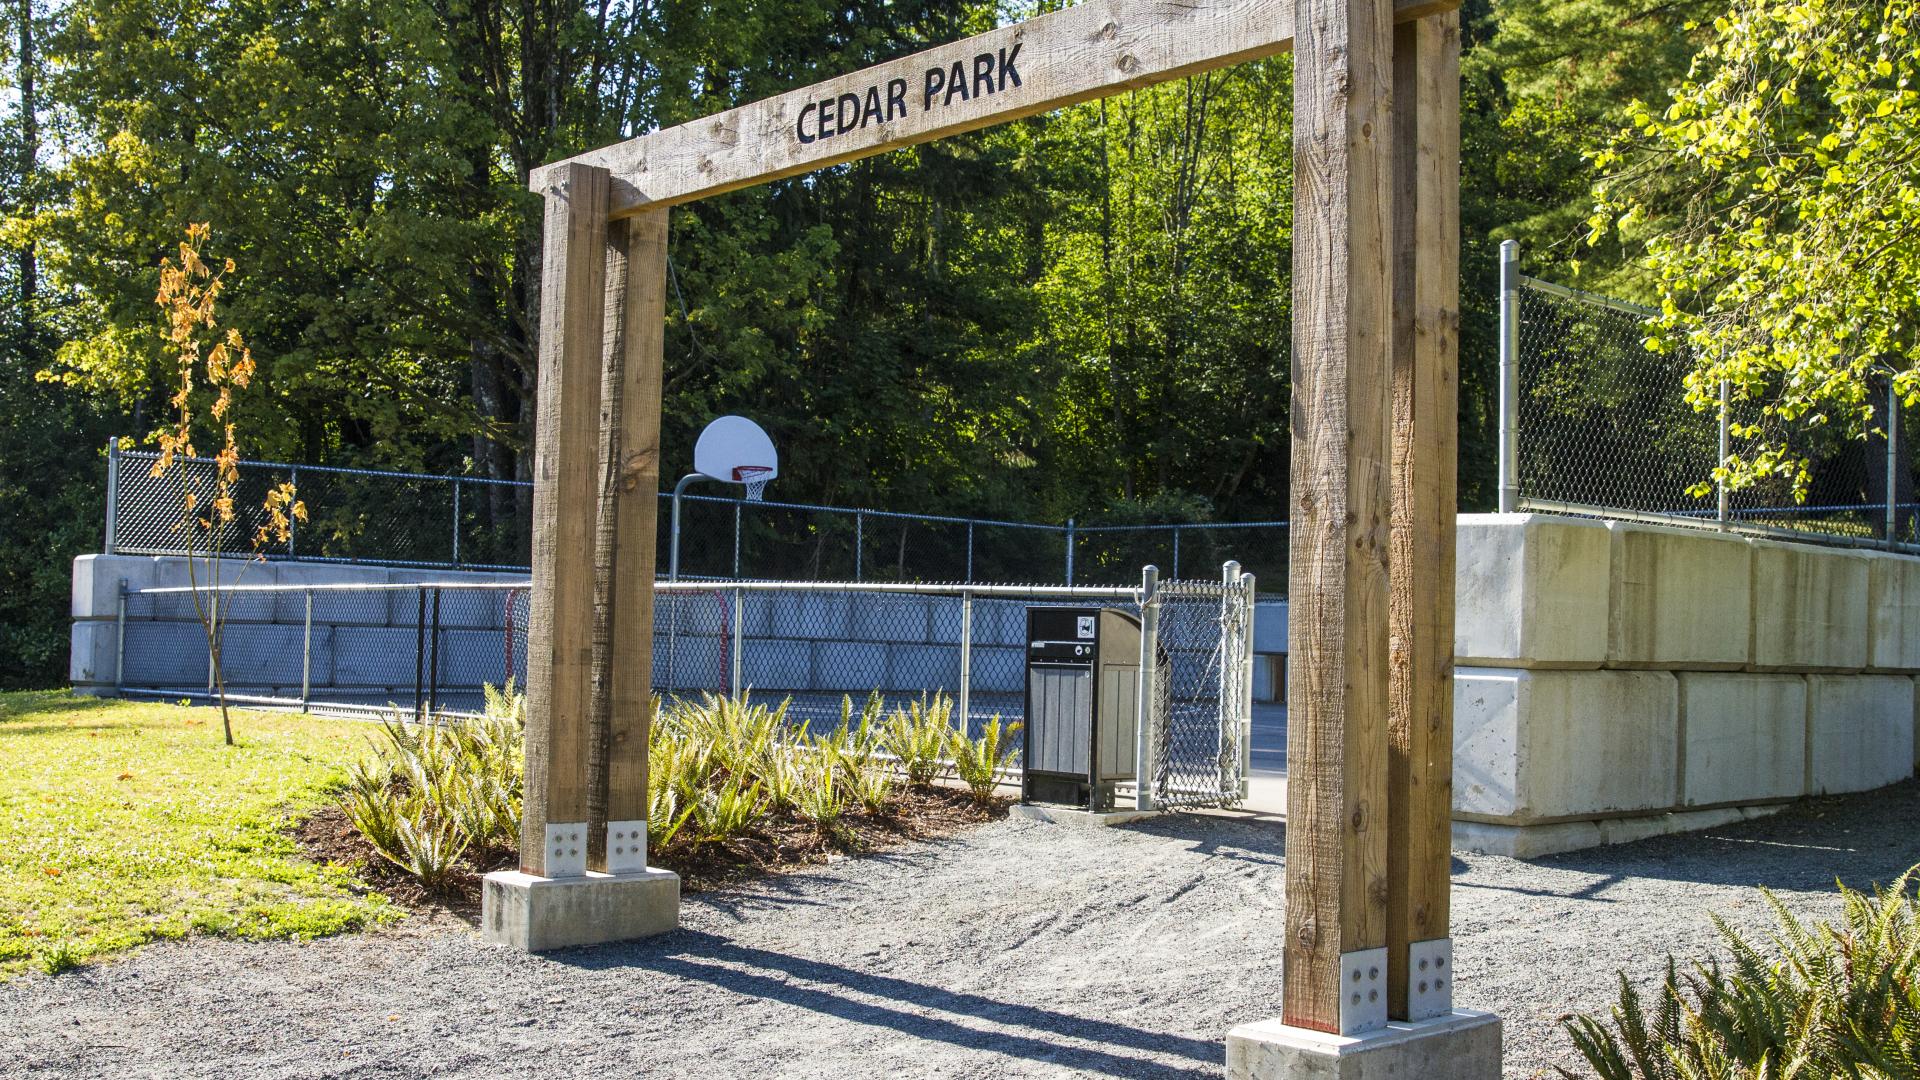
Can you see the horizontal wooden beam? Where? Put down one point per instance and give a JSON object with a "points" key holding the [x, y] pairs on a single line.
{"points": [[1092, 50]]}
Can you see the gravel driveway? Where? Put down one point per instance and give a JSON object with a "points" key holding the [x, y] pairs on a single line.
{"points": [[1018, 950]]}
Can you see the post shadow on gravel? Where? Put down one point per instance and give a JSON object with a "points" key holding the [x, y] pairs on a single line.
{"points": [[759, 973]]}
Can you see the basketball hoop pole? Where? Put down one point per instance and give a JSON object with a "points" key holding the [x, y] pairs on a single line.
{"points": [[673, 547]]}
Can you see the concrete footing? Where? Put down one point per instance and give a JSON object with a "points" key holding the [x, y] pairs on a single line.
{"points": [[1552, 838], [1464, 1045], [534, 914], [1067, 815]]}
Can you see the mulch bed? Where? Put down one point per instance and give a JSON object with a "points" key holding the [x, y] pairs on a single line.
{"points": [[773, 847]]}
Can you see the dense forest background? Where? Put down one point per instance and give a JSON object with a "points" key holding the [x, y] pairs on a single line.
{"points": [[1082, 314]]}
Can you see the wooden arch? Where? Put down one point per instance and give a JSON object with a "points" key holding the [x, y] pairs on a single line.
{"points": [[1376, 299]]}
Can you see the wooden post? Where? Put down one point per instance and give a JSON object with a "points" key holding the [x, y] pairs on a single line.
{"points": [[553, 831], [636, 338], [1426, 303], [1336, 854]]}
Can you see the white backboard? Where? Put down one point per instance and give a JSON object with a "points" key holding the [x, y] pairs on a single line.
{"points": [[731, 443]]}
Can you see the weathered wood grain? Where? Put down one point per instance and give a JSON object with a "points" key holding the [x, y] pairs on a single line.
{"points": [[560, 617], [635, 508], [1336, 872], [1425, 453], [1075, 54]]}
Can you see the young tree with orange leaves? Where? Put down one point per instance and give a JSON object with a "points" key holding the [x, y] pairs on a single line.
{"points": [[211, 363]]}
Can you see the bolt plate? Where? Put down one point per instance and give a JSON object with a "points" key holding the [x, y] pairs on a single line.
{"points": [[1429, 978], [566, 851], [1363, 991], [626, 847]]}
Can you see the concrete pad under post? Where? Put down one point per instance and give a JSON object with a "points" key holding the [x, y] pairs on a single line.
{"points": [[1463, 1045], [535, 914], [1067, 815]]}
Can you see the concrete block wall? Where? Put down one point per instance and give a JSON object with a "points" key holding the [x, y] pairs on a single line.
{"points": [[1616, 680]]}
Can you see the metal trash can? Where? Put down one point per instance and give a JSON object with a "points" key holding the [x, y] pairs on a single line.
{"points": [[1082, 693]]}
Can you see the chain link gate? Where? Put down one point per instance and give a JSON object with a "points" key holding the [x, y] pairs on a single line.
{"points": [[1202, 693]]}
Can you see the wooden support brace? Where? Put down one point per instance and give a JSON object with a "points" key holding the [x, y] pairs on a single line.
{"points": [[636, 336], [553, 832], [1426, 304], [1336, 851]]}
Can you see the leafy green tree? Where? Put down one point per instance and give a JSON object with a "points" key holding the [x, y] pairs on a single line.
{"points": [[1776, 202]]}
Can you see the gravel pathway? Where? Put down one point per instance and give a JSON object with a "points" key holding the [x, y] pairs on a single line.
{"points": [[1017, 950]]}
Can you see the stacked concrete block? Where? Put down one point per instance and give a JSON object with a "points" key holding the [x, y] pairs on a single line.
{"points": [[1893, 597], [1533, 745], [1809, 608], [1742, 737], [167, 654], [1859, 732], [1531, 591], [368, 656], [776, 665], [1678, 598]]}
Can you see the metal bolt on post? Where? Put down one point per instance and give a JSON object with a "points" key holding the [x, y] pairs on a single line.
{"points": [[1149, 688], [1509, 449]]}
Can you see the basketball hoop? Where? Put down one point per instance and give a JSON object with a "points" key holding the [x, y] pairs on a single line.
{"points": [[755, 477]]}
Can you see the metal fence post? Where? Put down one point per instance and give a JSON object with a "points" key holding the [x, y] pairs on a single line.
{"points": [[1230, 669], [120, 640], [306, 653], [113, 492], [293, 523], [1149, 688], [1176, 553], [859, 542], [456, 521], [1509, 450], [1250, 596], [969, 552], [1069, 551], [433, 659], [739, 639], [736, 541], [1893, 463], [420, 654], [966, 661], [1725, 510]]}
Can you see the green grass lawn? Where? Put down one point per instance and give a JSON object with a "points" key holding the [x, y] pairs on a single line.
{"points": [[128, 822]]}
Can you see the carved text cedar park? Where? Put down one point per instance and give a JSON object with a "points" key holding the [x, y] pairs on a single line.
{"points": [[990, 73]]}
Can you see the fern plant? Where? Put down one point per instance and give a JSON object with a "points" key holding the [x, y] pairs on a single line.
{"points": [[981, 762], [431, 793], [1836, 1002], [917, 737]]}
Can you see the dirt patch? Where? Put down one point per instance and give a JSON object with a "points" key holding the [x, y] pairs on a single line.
{"points": [[776, 846]]}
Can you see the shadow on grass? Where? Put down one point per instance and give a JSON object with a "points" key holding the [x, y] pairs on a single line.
{"points": [[913, 1009]]}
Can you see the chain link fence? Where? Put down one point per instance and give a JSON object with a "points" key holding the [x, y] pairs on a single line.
{"points": [[1593, 423], [472, 523], [424, 649]]}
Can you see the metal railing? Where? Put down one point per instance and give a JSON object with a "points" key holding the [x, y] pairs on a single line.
{"points": [[1593, 423], [427, 648], [474, 523]]}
